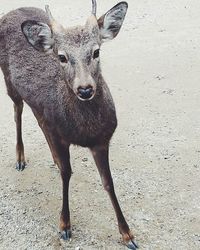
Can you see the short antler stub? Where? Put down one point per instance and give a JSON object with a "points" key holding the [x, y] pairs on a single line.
{"points": [[94, 7]]}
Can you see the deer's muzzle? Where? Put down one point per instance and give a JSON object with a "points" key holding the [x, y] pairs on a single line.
{"points": [[85, 93]]}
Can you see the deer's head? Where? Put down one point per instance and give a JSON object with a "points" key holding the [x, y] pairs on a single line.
{"points": [[77, 48]]}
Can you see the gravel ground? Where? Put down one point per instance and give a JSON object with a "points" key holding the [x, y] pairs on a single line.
{"points": [[152, 69]]}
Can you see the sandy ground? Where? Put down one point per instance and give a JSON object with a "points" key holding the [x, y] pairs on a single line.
{"points": [[152, 69]]}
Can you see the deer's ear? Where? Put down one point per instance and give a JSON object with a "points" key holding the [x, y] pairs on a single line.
{"points": [[111, 22], [39, 35]]}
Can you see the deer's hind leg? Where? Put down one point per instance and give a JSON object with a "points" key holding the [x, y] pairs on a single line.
{"points": [[18, 109], [20, 164]]}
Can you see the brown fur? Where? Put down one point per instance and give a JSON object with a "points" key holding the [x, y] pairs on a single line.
{"points": [[49, 88]]}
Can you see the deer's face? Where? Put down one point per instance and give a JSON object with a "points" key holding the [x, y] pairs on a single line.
{"points": [[78, 53], [77, 49]]}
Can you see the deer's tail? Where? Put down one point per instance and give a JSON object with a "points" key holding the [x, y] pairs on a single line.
{"points": [[2, 45]]}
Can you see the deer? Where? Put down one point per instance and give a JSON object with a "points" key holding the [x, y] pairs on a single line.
{"points": [[56, 71]]}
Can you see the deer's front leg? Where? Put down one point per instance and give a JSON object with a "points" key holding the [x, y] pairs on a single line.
{"points": [[61, 155], [100, 154], [65, 226], [63, 161]]}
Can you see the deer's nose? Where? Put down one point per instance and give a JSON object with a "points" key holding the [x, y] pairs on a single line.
{"points": [[85, 92]]}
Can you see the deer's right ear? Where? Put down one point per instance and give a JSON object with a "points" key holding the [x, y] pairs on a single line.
{"points": [[39, 35], [111, 22]]}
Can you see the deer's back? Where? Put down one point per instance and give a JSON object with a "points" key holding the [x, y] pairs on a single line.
{"points": [[32, 73]]}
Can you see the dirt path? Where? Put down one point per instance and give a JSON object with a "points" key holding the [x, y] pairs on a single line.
{"points": [[153, 71]]}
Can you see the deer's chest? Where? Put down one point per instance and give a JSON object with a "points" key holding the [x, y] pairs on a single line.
{"points": [[91, 127]]}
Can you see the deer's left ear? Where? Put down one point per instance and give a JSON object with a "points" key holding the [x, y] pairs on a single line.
{"points": [[111, 22], [39, 35]]}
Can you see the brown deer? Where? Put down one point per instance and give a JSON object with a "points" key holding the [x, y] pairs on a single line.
{"points": [[56, 71]]}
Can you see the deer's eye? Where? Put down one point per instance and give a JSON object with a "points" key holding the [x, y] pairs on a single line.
{"points": [[96, 54], [62, 58]]}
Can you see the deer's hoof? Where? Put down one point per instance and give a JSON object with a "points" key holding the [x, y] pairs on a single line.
{"points": [[65, 234], [20, 166], [132, 245]]}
